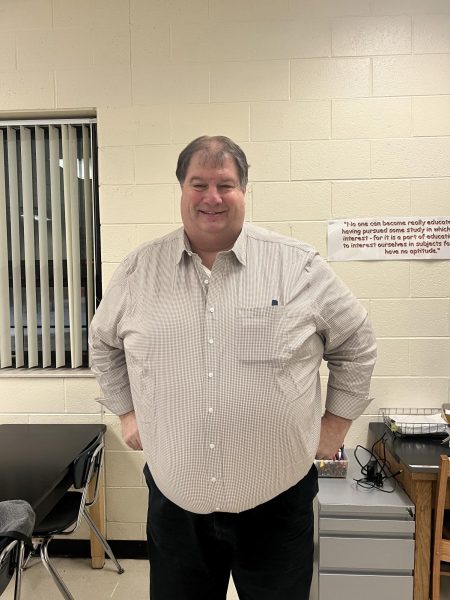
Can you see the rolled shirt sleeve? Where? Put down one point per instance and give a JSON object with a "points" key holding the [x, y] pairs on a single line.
{"points": [[349, 342], [108, 362]]}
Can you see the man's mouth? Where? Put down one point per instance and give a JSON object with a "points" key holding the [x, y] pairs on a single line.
{"points": [[212, 212]]}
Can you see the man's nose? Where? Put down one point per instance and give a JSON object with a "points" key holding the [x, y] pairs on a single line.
{"points": [[213, 195]]}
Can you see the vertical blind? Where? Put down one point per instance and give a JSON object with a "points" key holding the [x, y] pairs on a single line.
{"points": [[47, 242]]}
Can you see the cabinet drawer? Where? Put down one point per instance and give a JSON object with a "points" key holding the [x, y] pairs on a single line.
{"points": [[367, 554], [369, 527], [369, 587]]}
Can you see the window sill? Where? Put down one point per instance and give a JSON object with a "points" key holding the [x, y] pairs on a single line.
{"points": [[81, 372]]}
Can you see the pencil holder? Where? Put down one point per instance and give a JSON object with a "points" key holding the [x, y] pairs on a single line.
{"points": [[332, 468]]}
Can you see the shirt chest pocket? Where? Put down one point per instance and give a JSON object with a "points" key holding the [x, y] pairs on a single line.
{"points": [[261, 334]]}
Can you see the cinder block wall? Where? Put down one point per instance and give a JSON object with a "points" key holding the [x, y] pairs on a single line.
{"points": [[343, 109]]}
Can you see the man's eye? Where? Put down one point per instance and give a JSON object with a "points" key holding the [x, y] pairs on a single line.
{"points": [[199, 186]]}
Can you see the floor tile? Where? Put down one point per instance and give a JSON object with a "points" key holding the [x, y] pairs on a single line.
{"points": [[105, 584], [85, 583]]}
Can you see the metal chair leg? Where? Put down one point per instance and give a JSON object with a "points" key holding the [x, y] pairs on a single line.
{"points": [[19, 568], [53, 572], [102, 540], [31, 553]]}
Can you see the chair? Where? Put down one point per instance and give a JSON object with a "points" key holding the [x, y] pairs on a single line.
{"points": [[11, 560], [16, 524], [441, 546], [66, 516]]}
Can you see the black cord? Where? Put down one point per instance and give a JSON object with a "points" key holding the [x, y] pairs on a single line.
{"points": [[374, 471]]}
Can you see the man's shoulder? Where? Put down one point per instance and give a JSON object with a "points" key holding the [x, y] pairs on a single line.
{"points": [[154, 249], [259, 235]]}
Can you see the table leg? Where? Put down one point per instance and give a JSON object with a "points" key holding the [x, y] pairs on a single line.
{"points": [[97, 512], [422, 492]]}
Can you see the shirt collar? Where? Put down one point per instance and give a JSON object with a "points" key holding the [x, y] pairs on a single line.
{"points": [[240, 246], [182, 246], [239, 249]]}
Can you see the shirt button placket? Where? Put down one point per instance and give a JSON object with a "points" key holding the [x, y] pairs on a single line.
{"points": [[213, 455]]}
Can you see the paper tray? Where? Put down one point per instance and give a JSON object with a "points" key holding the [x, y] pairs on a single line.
{"points": [[406, 422]]}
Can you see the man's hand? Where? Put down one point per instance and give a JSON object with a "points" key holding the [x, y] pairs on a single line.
{"points": [[332, 434], [130, 432]]}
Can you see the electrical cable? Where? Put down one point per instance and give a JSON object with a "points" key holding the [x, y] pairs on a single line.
{"points": [[375, 470]]}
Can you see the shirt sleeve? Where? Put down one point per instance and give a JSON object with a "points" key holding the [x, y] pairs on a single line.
{"points": [[349, 341], [108, 362]]}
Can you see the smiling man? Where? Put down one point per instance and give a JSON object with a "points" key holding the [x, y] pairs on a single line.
{"points": [[208, 344]]}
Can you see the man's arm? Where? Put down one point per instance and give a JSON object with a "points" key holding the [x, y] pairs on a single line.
{"points": [[333, 430], [107, 355], [350, 353]]}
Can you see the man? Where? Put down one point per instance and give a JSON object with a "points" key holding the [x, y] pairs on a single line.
{"points": [[208, 344]]}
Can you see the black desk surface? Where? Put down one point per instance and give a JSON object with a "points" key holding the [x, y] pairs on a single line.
{"points": [[419, 453], [35, 461]]}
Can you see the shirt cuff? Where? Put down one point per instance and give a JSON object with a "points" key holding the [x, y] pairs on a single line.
{"points": [[119, 403], [345, 404]]}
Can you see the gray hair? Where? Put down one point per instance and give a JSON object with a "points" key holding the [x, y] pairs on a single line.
{"points": [[214, 150]]}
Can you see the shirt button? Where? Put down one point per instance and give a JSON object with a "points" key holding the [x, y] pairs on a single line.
{"points": [[210, 375], [213, 479], [210, 409], [212, 446], [211, 310], [217, 508], [206, 281], [211, 341]]}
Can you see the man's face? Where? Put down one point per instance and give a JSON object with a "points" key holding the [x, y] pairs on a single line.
{"points": [[212, 204]]}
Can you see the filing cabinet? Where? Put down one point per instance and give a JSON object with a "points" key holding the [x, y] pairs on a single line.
{"points": [[364, 542]]}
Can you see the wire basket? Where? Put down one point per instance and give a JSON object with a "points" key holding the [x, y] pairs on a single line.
{"points": [[428, 422]]}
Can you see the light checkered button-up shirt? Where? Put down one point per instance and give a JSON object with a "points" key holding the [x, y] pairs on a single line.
{"points": [[223, 370]]}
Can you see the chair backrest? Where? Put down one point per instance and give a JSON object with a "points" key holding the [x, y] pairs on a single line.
{"points": [[441, 543], [8, 561], [440, 497], [84, 468]]}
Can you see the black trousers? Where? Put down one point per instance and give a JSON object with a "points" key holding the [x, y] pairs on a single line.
{"points": [[268, 549]]}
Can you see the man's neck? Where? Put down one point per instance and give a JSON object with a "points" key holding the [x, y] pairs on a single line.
{"points": [[208, 252], [207, 258]]}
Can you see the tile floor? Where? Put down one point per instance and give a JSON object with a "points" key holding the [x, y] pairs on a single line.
{"points": [[87, 584]]}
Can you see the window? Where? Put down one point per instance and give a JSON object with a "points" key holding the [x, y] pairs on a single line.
{"points": [[49, 250]]}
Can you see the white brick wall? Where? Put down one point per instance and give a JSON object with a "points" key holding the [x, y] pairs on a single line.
{"points": [[290, 120], [431, 115], [330, 78], [343, 109], [371, 198], [371, 118]]}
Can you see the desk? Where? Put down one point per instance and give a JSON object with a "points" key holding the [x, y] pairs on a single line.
{"points": [[35, 466], [418, 458]]}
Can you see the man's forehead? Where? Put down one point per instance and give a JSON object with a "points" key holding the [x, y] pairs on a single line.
{"points": [[208, 160]]}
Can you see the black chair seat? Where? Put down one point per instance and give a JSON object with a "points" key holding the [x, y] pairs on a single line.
{"points": [[62, 516]]}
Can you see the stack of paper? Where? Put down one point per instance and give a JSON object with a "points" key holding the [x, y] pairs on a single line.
{"points": [[418, 424]]}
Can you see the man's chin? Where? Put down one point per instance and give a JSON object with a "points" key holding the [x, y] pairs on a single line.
{"points": [[212, 226], [206, 219]]}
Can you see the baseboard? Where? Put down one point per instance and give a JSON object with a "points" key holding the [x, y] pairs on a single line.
{"points": [[81, 548]]}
